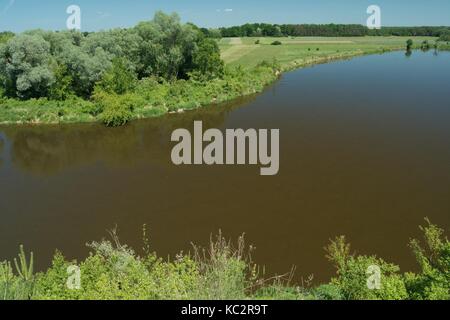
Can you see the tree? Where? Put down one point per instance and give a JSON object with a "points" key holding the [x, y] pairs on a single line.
{"points": [[425, 45], [25, 66], [207, 61], [444, 36], [409, 44], [119, 78], [167, 47], [61, 88], [5, 36]]}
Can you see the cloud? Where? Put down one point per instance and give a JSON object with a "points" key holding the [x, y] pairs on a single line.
{"points": [[225, 10]]}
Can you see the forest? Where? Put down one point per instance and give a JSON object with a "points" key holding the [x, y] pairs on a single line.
{"points": [[323, 30], [58, 64]]}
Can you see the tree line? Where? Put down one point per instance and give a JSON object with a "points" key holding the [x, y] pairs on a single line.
{"points": [[320, 30]]}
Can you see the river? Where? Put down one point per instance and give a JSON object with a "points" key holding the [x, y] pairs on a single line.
{"points": [[364, 152]]}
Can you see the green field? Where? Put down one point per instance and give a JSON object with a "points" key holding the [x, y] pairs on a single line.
{"points": [[304, 50]]}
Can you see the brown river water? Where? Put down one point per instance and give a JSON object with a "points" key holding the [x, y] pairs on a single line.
{"points": [[364, 152]]}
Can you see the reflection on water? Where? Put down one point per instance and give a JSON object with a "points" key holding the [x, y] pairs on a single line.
{"points": [[364, 152], [49, 150]]}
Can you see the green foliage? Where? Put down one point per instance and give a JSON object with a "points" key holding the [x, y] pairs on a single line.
{"points": [[351, 279], [425, 45], [150, 97], [207, 61], [23, 267], [119, 79], [166, 47], [445, 36], [226, 272], [222, 271], [61, 89], [328, 292], [434, 260], [115, 110], [276, 43], [325, 30], [55, 65], [433, 283], [409, 44], [20, 286], [5, 36], [25, 66], [115, 272]]}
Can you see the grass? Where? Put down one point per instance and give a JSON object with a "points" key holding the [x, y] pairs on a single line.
{"points": [[243, 77], [223, 271], [296, 52]]}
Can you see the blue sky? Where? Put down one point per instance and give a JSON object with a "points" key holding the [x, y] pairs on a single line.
{"points": [[20, 15]]}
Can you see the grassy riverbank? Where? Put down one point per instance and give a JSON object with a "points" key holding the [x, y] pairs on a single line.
{"points": [[224, 272], [150, 98], [246, 72]]}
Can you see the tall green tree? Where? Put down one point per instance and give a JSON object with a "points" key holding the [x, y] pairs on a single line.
{"points": [[119, 78], [25, 66], [207, 60]]}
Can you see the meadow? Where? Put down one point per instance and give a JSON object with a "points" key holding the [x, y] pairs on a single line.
{"points": [[297, 51]]}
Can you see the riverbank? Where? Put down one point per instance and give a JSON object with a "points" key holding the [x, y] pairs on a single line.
{"points": [[224, 272], [153, 98]]}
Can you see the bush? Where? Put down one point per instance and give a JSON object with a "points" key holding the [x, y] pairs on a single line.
{"points": [[276, 43], [352, 277], [409, 44], [119, 79], [434, 261], [328, 292], [114, 110], [114, 271], [445, 36]]}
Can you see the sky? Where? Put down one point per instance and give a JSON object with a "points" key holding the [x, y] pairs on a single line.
{"points": [[21, 15]]}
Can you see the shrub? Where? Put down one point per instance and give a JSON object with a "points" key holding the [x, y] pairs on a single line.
{"points": [[351, 275], [119, 79], [434, 261], [115, 110], [445, 36], [409, 44], [328, 292], [276, 43]]}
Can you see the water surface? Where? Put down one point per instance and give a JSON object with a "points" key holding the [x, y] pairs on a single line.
{"points": [[365, 152]]}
